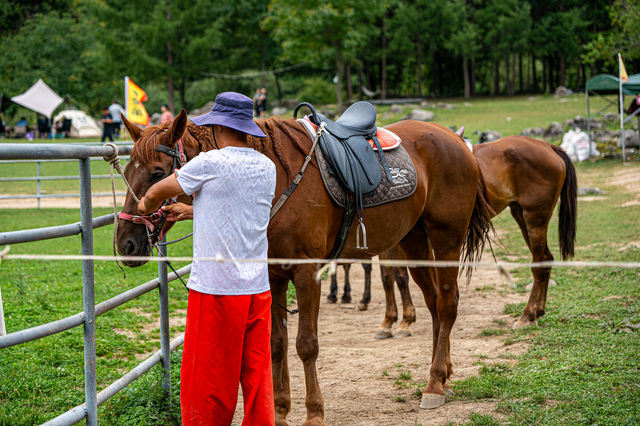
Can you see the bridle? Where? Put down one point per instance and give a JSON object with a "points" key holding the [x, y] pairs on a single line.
{"points": [[155, 221]]}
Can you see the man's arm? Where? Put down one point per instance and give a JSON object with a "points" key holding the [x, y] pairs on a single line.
{"points": [[160, 191]]}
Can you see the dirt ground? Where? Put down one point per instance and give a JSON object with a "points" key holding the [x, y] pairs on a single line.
{"points": [[67, 203], [351, 363]]}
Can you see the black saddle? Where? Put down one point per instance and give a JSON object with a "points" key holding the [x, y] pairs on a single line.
{"points": [[344, 144]]}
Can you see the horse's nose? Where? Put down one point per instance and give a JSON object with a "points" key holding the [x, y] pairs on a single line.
{"points": [[130, 247]]}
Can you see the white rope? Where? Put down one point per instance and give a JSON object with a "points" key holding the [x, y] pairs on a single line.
{"points": [[329, 262]]}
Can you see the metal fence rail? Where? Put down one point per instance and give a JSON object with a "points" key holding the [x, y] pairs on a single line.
{"points": [[39, 178], [83, 154]]}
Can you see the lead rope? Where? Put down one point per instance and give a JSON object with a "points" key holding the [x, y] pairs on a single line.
{"points": [[114, 162]]}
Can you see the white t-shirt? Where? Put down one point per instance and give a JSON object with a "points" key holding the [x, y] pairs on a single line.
{"points": [[233, 189]]}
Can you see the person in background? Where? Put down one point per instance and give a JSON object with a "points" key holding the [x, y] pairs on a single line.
{"points": [[115, 109], [256, 102], [22, 122], [262, 112], [43, 127], [107, 125], [227, 336], [167, 115]]}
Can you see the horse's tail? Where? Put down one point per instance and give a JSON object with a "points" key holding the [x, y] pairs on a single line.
{"points": [[568, 206], [479, 228]]}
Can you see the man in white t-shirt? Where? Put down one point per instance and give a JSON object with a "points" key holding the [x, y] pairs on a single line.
{"points": [[227, 337]]}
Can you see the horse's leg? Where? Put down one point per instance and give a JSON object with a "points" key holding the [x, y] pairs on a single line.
{"points": [[332, 297], [308, 294], [346, 295], [401, 276], [534, 230], [417, 246], [366, 296], [391, 311], [279, 346]]}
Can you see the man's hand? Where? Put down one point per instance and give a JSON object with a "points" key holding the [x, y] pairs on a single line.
{"points": [[178, 211], [160, 191]]}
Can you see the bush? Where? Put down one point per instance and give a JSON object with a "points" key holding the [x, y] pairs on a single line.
{"points": [[317, 91]]}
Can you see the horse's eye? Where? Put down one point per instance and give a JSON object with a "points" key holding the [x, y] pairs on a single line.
{"points": [[156, 176]]}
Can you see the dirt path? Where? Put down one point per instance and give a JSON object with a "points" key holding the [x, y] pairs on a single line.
{"points": [[66, 203], [352, 363]]}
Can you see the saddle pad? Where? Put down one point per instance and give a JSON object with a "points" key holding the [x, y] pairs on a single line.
{"points": [[403, 184], [388, 140]]}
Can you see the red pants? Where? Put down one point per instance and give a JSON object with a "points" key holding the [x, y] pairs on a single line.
{"points": [[226, 343]]}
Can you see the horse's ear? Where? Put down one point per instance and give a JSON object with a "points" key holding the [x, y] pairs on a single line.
{"points": [[134, 130], [176, 129]]}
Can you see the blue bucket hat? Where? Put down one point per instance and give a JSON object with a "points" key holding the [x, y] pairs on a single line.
{"points": [[233, 110]]}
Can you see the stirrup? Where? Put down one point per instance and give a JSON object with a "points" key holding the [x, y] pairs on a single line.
{"points": [[364, 235]]}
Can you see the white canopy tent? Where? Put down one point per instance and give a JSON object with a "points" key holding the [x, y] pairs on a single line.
{"points": [[39, 98]]}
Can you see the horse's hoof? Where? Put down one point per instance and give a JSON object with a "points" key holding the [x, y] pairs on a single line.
{"points": [[315, 421], [345, 300], [447, 389], [524, 323], [382, 333], [363, 306], [331, 299], [431, 401], [399, 334]]}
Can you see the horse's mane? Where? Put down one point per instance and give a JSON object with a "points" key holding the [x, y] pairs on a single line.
{"points": [[278, 132], [275, 145], [145, 148]]}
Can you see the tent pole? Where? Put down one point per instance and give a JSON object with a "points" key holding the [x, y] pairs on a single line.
{"points": [[588, 122]]}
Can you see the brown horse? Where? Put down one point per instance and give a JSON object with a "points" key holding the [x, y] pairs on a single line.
{"points": [[447, 216], [528, 176]]}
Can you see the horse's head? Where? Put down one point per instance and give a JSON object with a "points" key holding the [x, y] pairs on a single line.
{"points": [[152, 159]]}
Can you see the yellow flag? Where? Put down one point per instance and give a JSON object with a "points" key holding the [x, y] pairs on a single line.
{"points": [[135, 97], [623, 72]]}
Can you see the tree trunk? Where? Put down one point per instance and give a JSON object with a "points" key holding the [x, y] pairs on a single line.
{"points": [[278, 88], [360, 81], [170, 88], [545, 74], [383, 65], [419, 65], [183, 90], [513, 74], [349, 86], [473, 76], [562, 73], [465, 72], [507, 75], [339, 71], [496, 78], [263, 60], [520, 83], [535, 74]]}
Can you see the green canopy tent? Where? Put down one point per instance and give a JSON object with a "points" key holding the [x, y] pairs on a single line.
{"points": [[609, 84]]}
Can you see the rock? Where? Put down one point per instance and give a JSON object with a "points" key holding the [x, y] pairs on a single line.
{"points": [[420, 115], [290, 103], [533, 132], [604, 135], [488, 136], [278, 111], [576, 122], [611, 117], [426, 104], [467, 104], [155, 119], [631, 138], [585, 190], [445, 106], [554, 129], [562, 91], [203, 109], [395, 109]]}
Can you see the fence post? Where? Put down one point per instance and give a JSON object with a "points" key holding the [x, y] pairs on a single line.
{"points": [[38, 174], [165, 340], [88, 294]]}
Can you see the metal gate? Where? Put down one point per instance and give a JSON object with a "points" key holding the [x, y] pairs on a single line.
{"points": [[87, 318]]}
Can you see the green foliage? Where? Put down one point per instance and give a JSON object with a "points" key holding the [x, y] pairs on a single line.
{"points": [[317, 91]]}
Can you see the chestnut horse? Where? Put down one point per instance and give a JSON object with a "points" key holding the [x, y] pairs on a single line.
{"points": [[528, 176], [447, 216]]}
